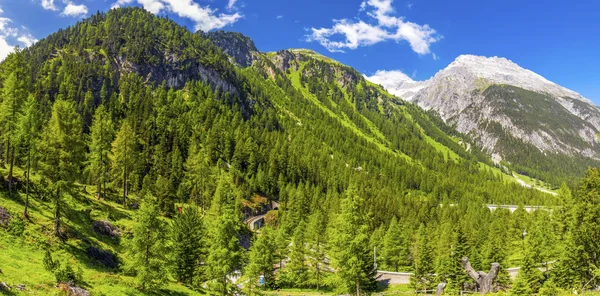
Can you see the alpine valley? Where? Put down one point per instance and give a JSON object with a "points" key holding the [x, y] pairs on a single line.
{"points": [[141, 158]]}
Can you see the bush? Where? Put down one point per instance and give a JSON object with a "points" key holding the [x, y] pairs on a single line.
{"points": [[49, 263], [66, 274], [16, 226]]}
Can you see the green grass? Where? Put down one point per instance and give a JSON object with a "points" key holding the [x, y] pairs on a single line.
{"points": [[21, 257]]}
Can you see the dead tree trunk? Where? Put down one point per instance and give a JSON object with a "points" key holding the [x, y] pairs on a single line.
{"points": [[440, 289], [485, 281]]}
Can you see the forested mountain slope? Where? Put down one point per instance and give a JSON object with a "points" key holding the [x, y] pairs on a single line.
{"points": [[145, 112]]}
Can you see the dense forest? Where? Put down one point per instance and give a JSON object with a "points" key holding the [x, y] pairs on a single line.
{"points": [[131, 124]]}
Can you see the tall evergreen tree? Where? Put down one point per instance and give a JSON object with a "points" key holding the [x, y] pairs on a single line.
{"points": [[147, 248], [123, 157], [295, 272], [187, 237], [261, 258], [29, 130], [350, 253], [423, 278], [100, 144], [10, 107], [316, 237], [61, 153], [224, 251], [393, 252]]}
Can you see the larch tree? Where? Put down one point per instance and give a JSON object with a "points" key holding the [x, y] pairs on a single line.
{"points": [[224, 252], [261, 258], [61, 151], [100, 145], [123, 157], [10, 107], [29, 131], [393, 246], [316, 238], [423, 278], [147, 248], [188, 239], [350, 252], [295, 272]]}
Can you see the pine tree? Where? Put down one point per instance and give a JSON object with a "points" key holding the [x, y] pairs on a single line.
{"points": [[224, 251], [586, 228], [316, 237], [422, 278], [29, 130], [197, 175], [349, 246], [187, 237], [295, 272], [147, 248], [393, 252], [123, 157], [61, 150], [100, 144], [528, 274], [10, 106], [261, 258]]}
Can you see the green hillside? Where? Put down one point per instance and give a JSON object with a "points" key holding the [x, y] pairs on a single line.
{"points": [[131, 119]]}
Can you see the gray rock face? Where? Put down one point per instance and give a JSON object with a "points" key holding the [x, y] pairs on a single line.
{"points": [[238, 46], [478, 95], [175, 73]]}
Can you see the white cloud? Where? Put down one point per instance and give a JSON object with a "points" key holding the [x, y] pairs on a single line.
{"points": [[49, 5], [231, 4], [204, 17], [27, 39], [382, 26], [279, 17], [74, 10], [10, 37], [435, 57]]}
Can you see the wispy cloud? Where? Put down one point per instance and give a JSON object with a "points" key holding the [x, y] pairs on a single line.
{"points": [[231, 4], [74, 10], [49, 5], [279, 17], [204, 17], [12, 36], [380, 26]]}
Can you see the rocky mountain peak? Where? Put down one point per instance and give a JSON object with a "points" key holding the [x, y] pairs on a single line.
{"points": [[238, 46]]}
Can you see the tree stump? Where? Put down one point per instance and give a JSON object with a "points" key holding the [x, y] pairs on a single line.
{"points": [[485, 281]]}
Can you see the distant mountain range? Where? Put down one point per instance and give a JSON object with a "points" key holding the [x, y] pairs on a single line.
{"points": [[517, 116]]}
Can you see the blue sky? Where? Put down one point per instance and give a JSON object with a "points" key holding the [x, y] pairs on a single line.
{"points": [[557, 39]]}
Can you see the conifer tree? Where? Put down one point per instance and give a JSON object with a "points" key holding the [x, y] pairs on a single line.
{"points": [[188, 252], [529, 279], [29, 130], [316, 237], [261, 258], [10, 107], [349, 246], [123, 157], [295, 272], [224, 251], [100, 144], [422, 278], [147, 248], [61, 153], [393, 251]]}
